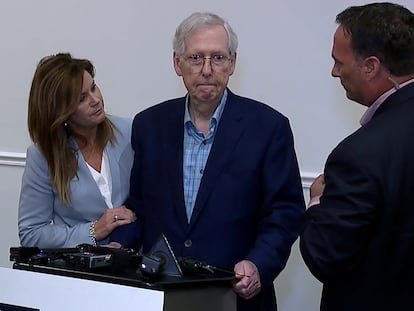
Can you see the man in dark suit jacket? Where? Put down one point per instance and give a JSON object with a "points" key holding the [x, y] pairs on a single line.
{"points": [[215, 172], [358, 234]]}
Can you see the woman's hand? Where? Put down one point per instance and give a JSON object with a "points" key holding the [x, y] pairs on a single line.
{"points": [[111, 219]]}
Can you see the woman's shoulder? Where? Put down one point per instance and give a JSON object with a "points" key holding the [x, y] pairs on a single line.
{"points": [[122, 125], [33, 150], [120, 121], [35, 158], [122, 129]]}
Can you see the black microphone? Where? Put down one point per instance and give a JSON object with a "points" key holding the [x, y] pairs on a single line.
{"points": [[152, 265]]}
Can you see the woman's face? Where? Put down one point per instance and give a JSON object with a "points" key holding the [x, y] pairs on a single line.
{"points": [[90, 111]]}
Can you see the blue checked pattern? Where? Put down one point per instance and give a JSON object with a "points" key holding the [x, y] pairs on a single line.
{"points": [[196, 150]]}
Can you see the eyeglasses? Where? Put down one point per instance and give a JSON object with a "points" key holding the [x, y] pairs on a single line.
{"points": [[217, 62]]}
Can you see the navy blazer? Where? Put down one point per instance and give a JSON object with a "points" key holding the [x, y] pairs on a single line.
{"points": [[359, 241], [250, 198]]}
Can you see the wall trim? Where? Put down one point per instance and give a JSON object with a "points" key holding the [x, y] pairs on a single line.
{"points": [[19, 159], [12, 158], [308, 178]]}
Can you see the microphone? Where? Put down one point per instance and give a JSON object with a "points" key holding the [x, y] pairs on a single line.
{"points": [[152, 265], [160, 261], [192, 266]]}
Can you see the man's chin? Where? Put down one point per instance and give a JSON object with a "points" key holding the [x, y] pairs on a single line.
{"points": [[355, 99], [207, 95]]}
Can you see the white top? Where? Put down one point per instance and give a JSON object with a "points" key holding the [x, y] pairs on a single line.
{"points": [[103, 179]]}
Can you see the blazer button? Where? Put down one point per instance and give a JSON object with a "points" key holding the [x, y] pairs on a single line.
{"points": [[188, 243]]}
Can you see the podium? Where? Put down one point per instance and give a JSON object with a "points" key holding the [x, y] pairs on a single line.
{"points": [[46, 292], [49, 289]]}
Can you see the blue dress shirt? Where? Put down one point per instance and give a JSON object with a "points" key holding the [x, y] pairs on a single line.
{"points": [[196, 150]]}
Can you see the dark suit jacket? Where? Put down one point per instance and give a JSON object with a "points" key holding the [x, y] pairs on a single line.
{"points": [[250, 198], [359, 241]]}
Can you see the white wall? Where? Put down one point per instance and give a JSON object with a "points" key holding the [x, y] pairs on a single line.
{"points": [[283, 60]]}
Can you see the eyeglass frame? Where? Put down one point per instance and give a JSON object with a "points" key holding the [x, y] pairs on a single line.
{"points": [[202, 59]]}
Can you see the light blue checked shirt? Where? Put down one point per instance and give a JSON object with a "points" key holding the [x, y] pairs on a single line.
{"points": [[196, 150]]}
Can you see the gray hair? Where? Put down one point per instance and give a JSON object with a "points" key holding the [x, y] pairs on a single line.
{"points": [[197, 21]]}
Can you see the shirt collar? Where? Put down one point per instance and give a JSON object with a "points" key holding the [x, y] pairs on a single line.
{"points": [[367, 116]]}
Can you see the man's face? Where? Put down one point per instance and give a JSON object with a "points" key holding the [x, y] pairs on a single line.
{"points": [[347, 67], [205, 82]]}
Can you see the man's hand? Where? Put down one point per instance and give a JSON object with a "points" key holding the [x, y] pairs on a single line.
{"points": [[247, 283], [317, 187]]}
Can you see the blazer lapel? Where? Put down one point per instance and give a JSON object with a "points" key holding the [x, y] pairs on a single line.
{"points": [[85, 179], [172, 145], [113, 160]]}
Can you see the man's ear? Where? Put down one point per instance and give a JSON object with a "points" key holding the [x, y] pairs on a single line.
{"points": [[177, 64], [371, 65], [233, 63]]}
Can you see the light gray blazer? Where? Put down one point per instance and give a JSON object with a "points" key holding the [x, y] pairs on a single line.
{"points": [[45, 221]]}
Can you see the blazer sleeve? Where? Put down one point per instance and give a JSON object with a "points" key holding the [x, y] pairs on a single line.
{"points": [[283, 206], [36, 209]]}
